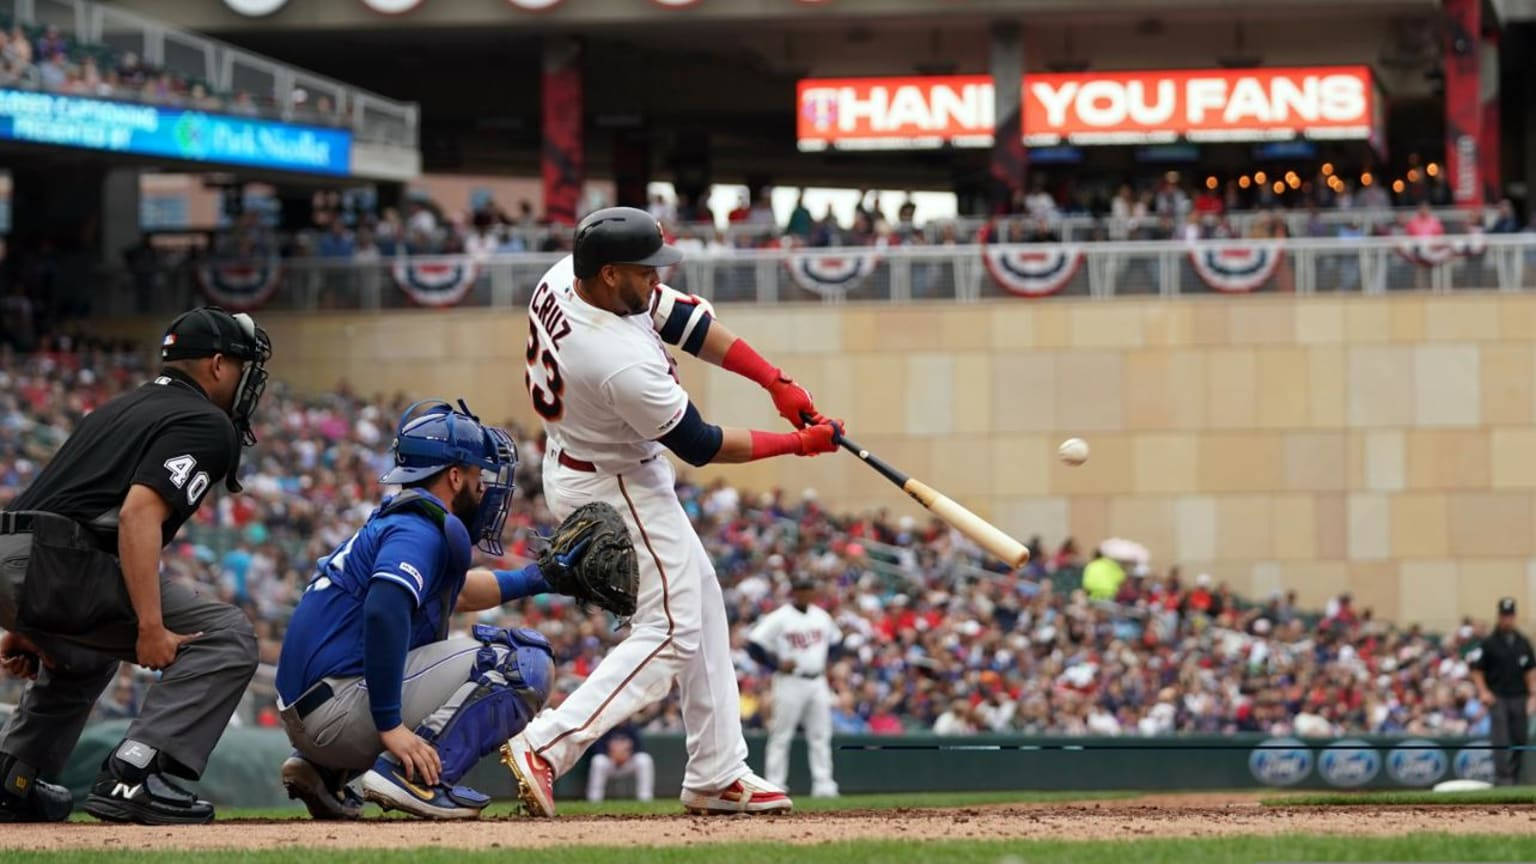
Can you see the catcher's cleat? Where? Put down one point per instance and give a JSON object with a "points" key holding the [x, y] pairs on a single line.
{"points": [[324, 793], [385, 784], [750, 794], [535, 779]]}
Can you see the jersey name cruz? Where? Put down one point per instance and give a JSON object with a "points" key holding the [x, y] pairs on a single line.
{"points": [[545, 308]]}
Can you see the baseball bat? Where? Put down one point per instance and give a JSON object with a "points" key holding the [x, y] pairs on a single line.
{"points": [[988, 536]]}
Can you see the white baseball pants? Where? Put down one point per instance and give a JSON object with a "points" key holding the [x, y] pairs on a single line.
{"points": [[799, 701], [678, 633]]}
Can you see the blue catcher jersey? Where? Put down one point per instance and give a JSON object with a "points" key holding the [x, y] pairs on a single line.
{"points": [[419, 546]]}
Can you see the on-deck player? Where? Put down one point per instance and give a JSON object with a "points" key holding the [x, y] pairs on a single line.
{"points": [[600, 377], [794, 641]]}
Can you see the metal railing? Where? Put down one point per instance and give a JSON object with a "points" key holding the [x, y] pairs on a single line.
{"points": [[1084, 228], [963, 273], [278, 90]]}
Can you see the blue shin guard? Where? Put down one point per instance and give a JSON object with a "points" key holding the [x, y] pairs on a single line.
{"points": [[507, 686]]}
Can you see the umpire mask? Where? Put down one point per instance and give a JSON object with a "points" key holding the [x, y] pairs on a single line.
{"points": [[211, 330]]}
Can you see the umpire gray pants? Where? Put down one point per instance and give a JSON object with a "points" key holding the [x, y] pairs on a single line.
{"points": [[186, 710], [339, 732], [1508, 727]]}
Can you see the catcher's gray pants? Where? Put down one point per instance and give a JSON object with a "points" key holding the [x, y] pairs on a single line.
{"points": [[68, 597], [339, 733]]}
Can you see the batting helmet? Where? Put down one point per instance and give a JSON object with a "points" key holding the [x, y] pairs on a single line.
{"points": [[620, 235], [438, 437]]}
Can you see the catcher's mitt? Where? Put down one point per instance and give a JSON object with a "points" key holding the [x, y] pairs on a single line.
{"points": [[591, 558]]}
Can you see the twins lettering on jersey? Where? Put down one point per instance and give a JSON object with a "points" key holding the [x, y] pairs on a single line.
{"points": [[800, 640], [546, 392]]}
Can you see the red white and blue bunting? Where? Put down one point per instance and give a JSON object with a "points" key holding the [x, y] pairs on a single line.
{"points": [[1431, 251], [1031, 270], [438, 281], [1235, 269], [241, 286], [831, 275]]}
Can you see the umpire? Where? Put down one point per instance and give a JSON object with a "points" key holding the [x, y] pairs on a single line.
{"points": [[1504, 671], [81, 590]]}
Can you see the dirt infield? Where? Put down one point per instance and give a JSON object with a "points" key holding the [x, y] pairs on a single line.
{"points": [[1133, 818]]}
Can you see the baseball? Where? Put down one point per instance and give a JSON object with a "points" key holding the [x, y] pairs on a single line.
{"points": [[1073, 451]]}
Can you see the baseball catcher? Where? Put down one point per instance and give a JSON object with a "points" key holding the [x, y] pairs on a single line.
{"points": [[368, 682]]}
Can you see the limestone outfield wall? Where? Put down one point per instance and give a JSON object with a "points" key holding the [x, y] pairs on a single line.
{"points": [[1383, 445]]}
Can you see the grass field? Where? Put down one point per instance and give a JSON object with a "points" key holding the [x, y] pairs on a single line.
{"points": [[1393, 797], [1413, 847]]}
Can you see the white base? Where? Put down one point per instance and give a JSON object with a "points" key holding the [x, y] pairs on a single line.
{"points": [[1462, 785]]}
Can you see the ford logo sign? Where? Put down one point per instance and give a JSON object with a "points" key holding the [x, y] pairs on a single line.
{"points": [[1474, 762], [1417, 762], [1280, 762], [1349, 763]]}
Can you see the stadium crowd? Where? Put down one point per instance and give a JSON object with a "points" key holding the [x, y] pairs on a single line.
{"points": [[1167, 208], [43, 58], [934, 640]]}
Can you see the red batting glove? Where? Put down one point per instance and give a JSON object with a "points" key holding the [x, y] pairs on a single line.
{"points": [[821, 437], [794, 402]]}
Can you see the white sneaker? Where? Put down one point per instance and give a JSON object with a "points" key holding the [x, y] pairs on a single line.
{"points": [[535, 779], [749, 794]]}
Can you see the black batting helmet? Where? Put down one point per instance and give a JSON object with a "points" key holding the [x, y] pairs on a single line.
{"points": [[620, 235]]}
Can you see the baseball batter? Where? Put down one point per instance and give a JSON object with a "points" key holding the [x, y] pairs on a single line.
{"points": [[599, 375], [794, 641]]}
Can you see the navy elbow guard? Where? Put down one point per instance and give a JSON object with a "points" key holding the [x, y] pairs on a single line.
{"points": [[694, 440]]}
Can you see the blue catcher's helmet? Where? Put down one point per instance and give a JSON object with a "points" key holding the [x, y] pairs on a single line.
{"points": [[433, 436]]}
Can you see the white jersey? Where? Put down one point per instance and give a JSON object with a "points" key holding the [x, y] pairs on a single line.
{"points": [[803, 637], [604, 384]]}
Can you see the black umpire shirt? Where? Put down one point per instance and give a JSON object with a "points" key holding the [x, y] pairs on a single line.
{"points": [[1504, 658], [165, 435]]}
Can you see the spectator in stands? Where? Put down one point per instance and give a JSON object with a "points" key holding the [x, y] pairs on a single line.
{"points": [[53, 72], [1209, 202], [336, 242], [905, 231], [51, 42], [1039, 203], [800, 222], [129, 71], [483, 237], [1102, 576], [1505, 222], [1424, 223], [202, 100], [243, 104], [15, 54], [9, 70], [958, 719]]}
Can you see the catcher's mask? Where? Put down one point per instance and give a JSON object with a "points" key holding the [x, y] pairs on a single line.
{"points": [[434, 436]]}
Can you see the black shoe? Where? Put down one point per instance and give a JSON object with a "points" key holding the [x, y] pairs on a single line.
{"points": [[324, 793], [25, 798], [152, 800]]}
